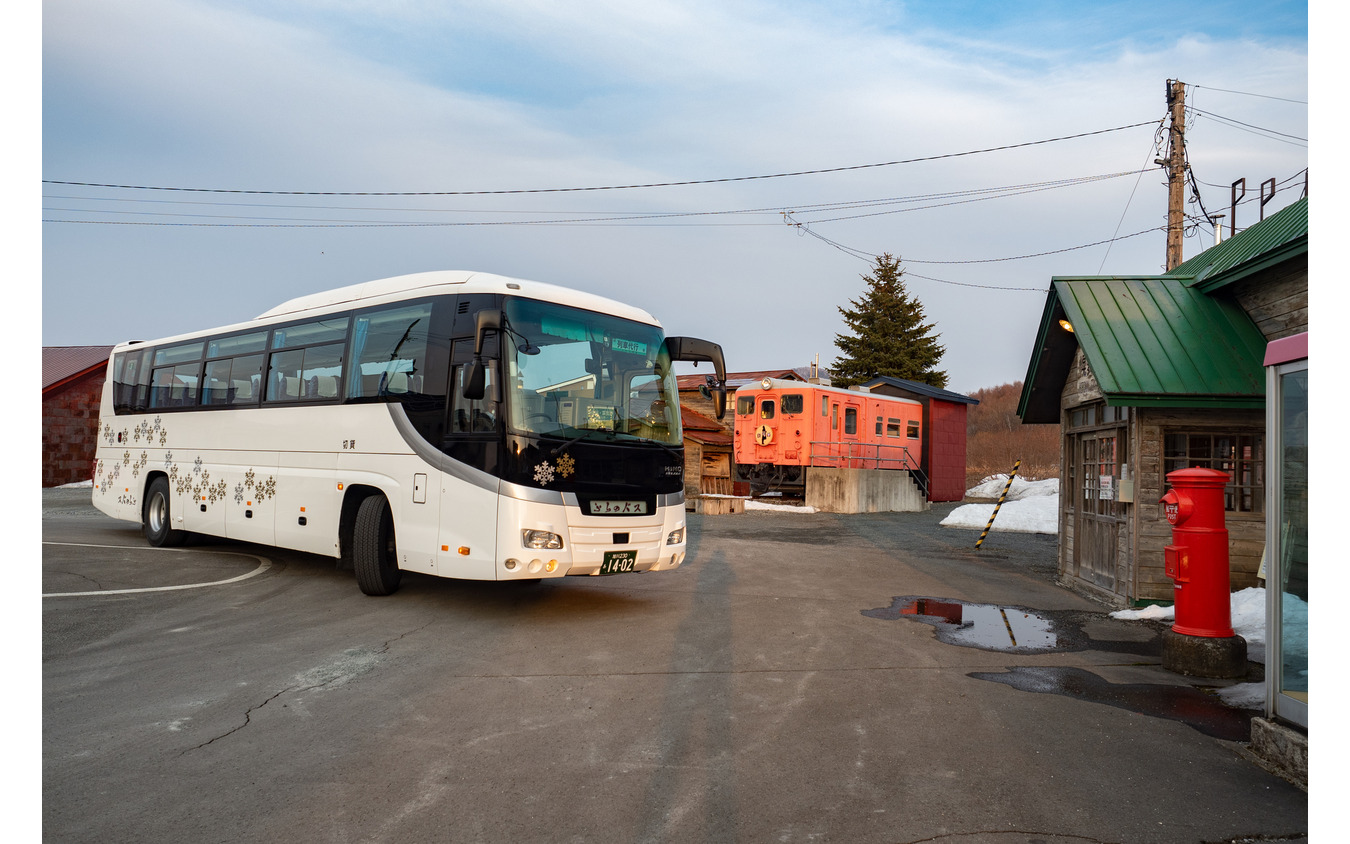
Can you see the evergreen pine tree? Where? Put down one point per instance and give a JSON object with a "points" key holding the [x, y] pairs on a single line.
{"points": [[889, 335]]}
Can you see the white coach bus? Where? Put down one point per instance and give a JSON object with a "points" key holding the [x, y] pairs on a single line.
{"points": [[457, 424]]}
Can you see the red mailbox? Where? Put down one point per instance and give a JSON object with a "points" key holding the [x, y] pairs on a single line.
{"points": [[1197, 559]]}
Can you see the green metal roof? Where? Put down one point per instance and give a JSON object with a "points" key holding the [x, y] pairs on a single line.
{"points": [[1164, 341], [1156, 342], [1275, 239], [1152, 341]]}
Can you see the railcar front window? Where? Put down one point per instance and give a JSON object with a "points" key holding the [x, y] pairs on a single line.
{"points": [[569, 372]]}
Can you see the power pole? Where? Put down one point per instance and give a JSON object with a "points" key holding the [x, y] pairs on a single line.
{"points": [[1176, 170]]}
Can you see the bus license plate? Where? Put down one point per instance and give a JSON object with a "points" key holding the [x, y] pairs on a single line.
{"points": [[605, 508], [618, 561]]}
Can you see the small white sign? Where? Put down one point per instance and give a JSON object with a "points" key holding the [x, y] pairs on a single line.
{"points": [[1106, 488]]}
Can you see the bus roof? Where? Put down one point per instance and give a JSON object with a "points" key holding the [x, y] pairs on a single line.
{"points": [[423, 284], [474, 282]]}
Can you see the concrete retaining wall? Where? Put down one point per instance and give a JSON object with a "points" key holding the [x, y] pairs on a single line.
{"points": [[862, 491]]}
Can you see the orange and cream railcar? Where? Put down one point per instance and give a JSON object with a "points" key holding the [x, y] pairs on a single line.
{"points": [[782, 428]]}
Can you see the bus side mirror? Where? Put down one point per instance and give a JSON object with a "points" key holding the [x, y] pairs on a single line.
{"points": [[475, 386], [695, 350]]}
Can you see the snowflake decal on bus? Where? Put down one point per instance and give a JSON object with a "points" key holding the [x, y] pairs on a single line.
{"points": [[566, 465], [543, 474]]}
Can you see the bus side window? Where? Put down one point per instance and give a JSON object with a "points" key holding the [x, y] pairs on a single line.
{"points": [[388, 351]]}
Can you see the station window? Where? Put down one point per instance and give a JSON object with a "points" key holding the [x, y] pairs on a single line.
{"points": [[1242, 456]]}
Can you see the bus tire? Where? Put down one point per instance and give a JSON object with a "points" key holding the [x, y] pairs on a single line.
{"points": [[374, 556], [157, 518]]}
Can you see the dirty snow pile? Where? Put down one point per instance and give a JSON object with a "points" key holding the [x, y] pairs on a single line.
{"points": [[762, 503], [1030, 507], [1248, 610]]}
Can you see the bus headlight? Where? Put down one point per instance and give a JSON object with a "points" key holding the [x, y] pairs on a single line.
{"points": [[540, 539], [676, 536]]}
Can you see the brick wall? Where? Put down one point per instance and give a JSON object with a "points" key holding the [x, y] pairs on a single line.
{"points": [[70, 430]]}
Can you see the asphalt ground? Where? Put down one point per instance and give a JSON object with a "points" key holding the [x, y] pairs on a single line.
{"points": [[793, 681]]}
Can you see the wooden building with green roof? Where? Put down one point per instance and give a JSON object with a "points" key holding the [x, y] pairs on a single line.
{"points": [[1149, 374]]}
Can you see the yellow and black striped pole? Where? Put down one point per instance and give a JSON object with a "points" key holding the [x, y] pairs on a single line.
{"points": [[994, 514]]}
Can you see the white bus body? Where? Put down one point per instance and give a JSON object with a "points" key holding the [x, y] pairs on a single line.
{"points": [[346, 423]]}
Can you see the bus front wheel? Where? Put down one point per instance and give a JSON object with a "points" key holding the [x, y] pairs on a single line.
{"points": [[373, 552], [156, 517]]}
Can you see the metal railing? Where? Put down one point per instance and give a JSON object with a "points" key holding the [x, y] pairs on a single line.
{"points": [[851, 455]]}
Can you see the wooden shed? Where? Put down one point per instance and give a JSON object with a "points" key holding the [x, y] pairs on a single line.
{"points": [[1149, 374], [707, 455], [943, 434]]}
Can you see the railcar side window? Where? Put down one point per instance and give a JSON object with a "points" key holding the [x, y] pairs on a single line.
{"points": [[850, 420], [912, 430], [792, 403], [893, 428]]}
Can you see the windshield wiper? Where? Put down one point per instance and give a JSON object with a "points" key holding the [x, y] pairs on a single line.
{"points": [[578, 438]]}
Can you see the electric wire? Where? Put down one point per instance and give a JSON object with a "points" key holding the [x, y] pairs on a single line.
{"points": [[610, 187], [1259, 131], [1154, 151], [613, 218], [1249, 94]]}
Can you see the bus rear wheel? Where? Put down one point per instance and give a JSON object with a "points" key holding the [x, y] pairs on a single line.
{"points": [[156, 518], [374, 556]]}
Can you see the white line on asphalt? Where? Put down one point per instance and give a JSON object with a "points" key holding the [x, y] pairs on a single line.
{"points": [[263, 565]]}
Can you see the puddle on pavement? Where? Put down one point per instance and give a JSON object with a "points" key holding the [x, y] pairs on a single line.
{"points": [[984, 626], [1012, 629], [1193, 707]]}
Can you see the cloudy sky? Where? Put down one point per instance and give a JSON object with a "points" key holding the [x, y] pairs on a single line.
{"points": [[776, 146]]}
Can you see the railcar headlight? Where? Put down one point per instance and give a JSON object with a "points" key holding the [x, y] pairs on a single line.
{"points": [[676, 536], [540, 539]]}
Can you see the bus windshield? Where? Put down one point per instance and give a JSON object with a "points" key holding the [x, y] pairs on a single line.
{"points": [[571, 372]]}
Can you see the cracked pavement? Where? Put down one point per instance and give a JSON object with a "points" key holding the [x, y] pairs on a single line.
{"points": [[747, 696]]}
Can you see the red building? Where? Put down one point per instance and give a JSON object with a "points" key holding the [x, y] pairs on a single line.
{"points": [[944, 433], [72, 386]]}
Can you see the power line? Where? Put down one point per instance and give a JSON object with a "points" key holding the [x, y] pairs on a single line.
{"points": [[805, 229], [606, 187], [1247, 127], [978, 194], [1249, 94]]}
